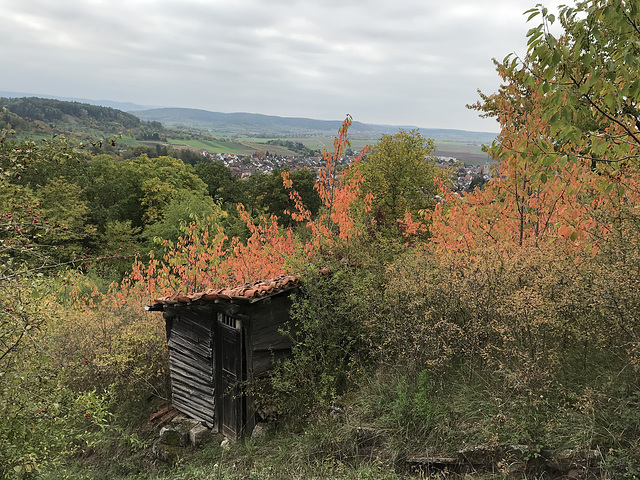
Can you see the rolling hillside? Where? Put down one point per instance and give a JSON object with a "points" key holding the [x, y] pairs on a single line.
{"points": [[258, 125], [35, 117]]}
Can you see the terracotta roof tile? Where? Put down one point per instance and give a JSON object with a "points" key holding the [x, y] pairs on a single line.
{"points": [[249, 291]]}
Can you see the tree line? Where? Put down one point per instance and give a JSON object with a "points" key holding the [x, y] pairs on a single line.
{"points": [[33, 115]]}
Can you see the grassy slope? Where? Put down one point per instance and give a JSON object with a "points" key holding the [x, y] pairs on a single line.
{"points": [[278, 150], [315, 143], [213, 146], [464, 151], [325, 450], [105, 123]]}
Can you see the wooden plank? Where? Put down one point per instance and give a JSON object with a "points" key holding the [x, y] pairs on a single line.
{"points": [[192, 358], [180, 343], [186, 340], [274, 341], [194, 414], [247, 336], [270, 338], [190, 362], [275, 312], [178, 370], [167, 407], [191, 310], [267, 323], [264, 361], [190, 330], [203, 377], [202, 313], [188, 346], [195, 318], [193, 382], [194, 321], [197, 403], [194, 396], [189, 336], [206, 400], [205, 417], [181, 368]]}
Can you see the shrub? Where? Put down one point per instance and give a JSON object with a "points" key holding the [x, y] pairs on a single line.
{"points": [[328, 351], [43, 419]]}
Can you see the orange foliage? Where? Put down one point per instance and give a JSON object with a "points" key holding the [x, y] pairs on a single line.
{"points": [[340, 193], [544, 190], [200, 260]]}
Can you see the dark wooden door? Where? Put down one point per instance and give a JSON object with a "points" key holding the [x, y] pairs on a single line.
{"points": [[230, 374]]}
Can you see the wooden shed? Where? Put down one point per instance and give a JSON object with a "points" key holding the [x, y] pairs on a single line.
{"points": [[220, 339]]}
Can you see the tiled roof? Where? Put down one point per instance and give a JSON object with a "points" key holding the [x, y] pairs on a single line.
{"points": [[250, 291]]}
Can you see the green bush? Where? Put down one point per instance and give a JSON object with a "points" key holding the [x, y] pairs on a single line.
{"points": [[328, 353], [43, 420]]}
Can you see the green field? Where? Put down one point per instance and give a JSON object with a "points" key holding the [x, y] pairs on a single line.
{"points": [[278, 150], [213, 146], [311, 142], [314, 143], [466, 152], [127, 140], [459, 147]]}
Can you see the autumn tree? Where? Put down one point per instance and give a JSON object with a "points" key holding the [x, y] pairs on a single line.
{"points": [[558, 222], [568, 140], [528, 200], [590, 79]]}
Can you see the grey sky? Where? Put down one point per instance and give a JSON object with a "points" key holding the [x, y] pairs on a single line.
{"points": [[399, 62]]}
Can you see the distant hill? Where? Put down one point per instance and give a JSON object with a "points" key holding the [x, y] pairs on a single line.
{"points": [[37, 116], [250, 124], [258, 125], [51, 110], [124, 106], [30, 116], [265, 126]]}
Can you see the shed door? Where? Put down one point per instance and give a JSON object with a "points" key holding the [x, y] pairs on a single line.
{"points": [[230, 373]]}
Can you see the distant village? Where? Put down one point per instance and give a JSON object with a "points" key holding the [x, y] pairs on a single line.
{"points": [[465, 177]]}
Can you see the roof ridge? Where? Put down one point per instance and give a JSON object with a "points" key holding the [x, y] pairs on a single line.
{"points": [[247, 291]]}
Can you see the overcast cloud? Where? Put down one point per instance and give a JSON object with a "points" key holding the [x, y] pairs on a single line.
{"points": [[399, 62]]}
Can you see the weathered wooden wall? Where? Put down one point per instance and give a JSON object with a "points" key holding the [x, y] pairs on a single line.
{"points": [[266, 342], [191, 362]]}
